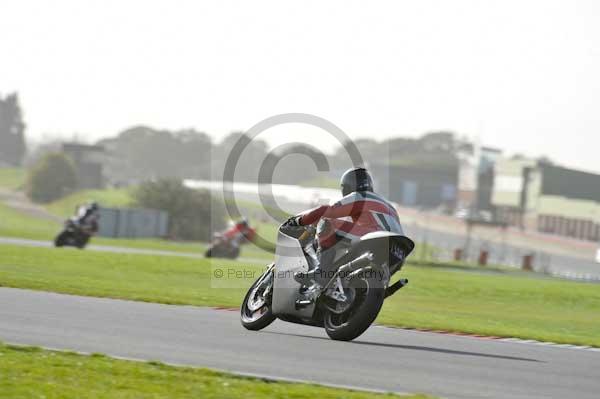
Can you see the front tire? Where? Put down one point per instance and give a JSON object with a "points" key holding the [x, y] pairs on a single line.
{"points": [[61, 239], [369, 296], [256, 312]]}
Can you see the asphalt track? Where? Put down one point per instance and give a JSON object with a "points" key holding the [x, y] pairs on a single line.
{"points": [[382, 359]]}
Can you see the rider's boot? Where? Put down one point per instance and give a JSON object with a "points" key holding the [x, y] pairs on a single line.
{"points": [[322, 273]]}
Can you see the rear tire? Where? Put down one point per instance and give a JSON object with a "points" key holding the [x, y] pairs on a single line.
{"points": [[82, 240], [355, 321], [233, 253], [261, 317]]}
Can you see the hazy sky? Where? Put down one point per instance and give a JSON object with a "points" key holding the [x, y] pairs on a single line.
{"points": [[522, 75]]}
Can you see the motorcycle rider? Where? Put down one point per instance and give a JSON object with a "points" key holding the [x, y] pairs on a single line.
{"points": [[87, 216], [367, 212], [239, 231]]}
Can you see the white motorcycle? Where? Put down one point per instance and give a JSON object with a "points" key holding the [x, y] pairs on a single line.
{"points": [[348, 304]]}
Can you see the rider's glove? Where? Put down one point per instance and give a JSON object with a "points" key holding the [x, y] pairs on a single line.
{"points": [[294, 221]]}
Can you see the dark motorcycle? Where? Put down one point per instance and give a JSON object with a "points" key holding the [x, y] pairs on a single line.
{"points": [[75, 235], [350, 301]]}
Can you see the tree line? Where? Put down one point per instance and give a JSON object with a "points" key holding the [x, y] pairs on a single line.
{"points": [[141, 153], [12, 131]]}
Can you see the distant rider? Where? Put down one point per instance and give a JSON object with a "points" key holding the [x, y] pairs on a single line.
{"points": [[238, 232], [87, 216], [362, 211]]}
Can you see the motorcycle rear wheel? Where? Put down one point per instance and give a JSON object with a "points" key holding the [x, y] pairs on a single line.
{"points": [[82, 241], [369, 296], [233, 253]]}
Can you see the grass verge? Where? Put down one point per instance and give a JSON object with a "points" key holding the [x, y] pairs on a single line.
{"points": [[321, 181], [17, 224], [12, 178], [32, 372], [66, 206], [501, 304]]}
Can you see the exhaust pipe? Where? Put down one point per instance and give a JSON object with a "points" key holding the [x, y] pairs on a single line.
{"points": [[356, 264], [391, 290]]}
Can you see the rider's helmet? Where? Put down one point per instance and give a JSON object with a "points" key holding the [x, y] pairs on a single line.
{"points": [[93, 206], [243, 222], [356, 179]]}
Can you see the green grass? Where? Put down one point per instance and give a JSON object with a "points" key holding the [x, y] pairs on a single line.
{"points": [[14, 223], [35, 373], [499, 304], [162, 279], [502, 304], [19, 224], [323, 182], [66, 206], [158, 244], [12, 178]]}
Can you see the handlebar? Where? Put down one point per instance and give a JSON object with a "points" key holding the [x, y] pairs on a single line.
{"points": [[299, 232], [306, 234]]}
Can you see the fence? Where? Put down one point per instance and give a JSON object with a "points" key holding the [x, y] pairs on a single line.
{"points": [[443, 247], [132, 223]]}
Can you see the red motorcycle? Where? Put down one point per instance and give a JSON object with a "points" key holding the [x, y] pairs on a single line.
{"points": [[227, 244]]}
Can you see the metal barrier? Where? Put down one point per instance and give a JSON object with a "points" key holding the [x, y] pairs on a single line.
{"points": [[444, 247], [132, 223]]}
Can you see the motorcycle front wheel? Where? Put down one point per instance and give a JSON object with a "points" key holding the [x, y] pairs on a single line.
{"points": [[61, 239], [368, 296], [256, 312]]}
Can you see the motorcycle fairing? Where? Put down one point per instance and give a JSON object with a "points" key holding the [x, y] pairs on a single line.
{"points": [[289, 259]]}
